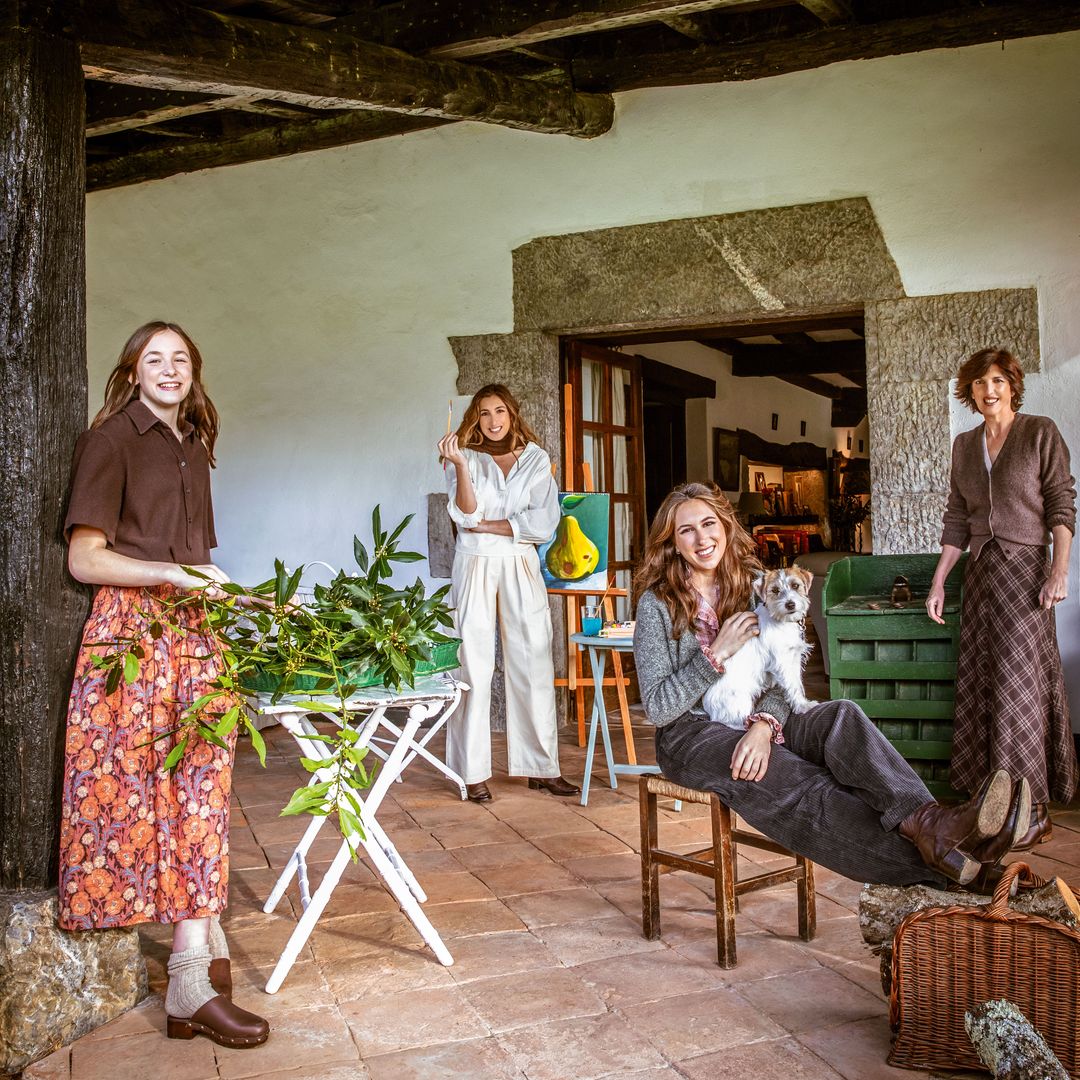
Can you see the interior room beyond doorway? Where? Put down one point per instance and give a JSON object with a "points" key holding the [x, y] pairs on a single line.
{"points": [[774, 413]]}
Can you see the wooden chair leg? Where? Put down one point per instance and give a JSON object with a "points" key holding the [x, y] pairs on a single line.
{"points": [[807, 900], [650, 871], [724, 883]]}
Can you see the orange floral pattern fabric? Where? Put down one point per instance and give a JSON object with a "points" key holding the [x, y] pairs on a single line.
{"points": [[139, 843]]}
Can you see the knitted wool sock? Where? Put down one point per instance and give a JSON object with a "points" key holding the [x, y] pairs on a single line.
{"points": [[189, 982], [219, 947]]}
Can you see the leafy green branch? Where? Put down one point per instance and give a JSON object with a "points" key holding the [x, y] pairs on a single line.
{"points": [[357, 631]]}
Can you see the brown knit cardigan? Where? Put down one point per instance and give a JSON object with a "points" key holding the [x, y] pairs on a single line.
{"points": [[1028, 491]]}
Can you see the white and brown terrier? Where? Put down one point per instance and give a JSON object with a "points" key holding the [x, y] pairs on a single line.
{"points": [[775, 657]]}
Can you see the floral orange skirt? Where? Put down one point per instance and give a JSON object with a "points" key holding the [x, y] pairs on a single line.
{"points": [[139, 843]]}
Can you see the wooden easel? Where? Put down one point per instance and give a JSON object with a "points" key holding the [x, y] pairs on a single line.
{"points": [[576, 680]]}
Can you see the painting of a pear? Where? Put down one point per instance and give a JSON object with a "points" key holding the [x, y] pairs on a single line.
{"points": [[572, 554], [576, 557]]}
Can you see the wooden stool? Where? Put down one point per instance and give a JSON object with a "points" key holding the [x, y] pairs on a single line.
{"points": [[717, 862]]}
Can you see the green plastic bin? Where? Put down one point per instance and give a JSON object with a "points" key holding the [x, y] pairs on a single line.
{"points": [[894, 662]]}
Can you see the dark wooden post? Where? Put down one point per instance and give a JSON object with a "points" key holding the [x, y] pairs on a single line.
{"points": [[42, 412]]}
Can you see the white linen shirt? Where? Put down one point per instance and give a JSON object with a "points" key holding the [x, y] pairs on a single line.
{"points": [[527, 497]]}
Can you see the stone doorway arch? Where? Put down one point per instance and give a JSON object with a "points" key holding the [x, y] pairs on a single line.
{"points": [[760, 265]]}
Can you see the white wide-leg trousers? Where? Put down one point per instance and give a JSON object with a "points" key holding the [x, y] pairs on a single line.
{"points": [[511, 587]]}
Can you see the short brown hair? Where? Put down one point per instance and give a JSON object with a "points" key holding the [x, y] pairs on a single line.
{"points": [[978, 364]]}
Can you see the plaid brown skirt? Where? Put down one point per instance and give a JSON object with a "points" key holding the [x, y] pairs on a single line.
{"points": [[1011, 708]]}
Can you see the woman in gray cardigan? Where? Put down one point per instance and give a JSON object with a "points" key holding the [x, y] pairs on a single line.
{"points": [[825, 783], [1010, 493]]}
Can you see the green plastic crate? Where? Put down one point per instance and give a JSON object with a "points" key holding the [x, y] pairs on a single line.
{"points": [[894, 662], [443, 658]]}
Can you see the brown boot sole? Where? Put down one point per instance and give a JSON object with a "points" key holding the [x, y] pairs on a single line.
{"points": [[176, 1028], [993, 808]]}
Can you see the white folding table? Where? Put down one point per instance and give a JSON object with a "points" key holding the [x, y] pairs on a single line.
{"points": [[430, 704]]}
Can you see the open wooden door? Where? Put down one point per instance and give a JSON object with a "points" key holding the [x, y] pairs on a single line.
{"points": [[608, 436]]}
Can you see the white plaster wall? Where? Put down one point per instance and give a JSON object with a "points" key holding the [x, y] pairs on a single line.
{"points": [[322, 287]]}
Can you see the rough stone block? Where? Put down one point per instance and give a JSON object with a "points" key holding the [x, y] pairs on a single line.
{"points": [[440, 536], [56, 985], [709, 269], [909, 424], [929, 337], [906, 523]]}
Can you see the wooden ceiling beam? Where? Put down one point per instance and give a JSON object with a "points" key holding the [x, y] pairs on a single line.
{"points": [[840, 320], [170, 46], [614, 15], [275, 140], [150, 117], [828, 11], [815, 386], [824, 357], [829, 45]]}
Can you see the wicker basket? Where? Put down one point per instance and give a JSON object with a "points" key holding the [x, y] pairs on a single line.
{"points": [[947, 960]]}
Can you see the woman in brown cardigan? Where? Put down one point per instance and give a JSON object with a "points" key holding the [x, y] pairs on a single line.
{"points": [[1010, 494]]}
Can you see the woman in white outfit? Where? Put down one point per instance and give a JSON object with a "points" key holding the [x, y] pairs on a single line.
{"points": [[504, 501]]}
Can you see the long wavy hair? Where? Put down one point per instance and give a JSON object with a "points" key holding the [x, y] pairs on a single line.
{"points": [[469, 433], [663, 571], [196, 409]]}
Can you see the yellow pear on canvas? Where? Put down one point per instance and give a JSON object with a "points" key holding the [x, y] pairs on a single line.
{"points": [[572, 554]]}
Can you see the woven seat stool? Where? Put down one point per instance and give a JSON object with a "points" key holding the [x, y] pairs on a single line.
{"points": [[717, 862]]}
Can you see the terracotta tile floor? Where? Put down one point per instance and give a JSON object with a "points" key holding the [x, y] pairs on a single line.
{"points": [[538, 899]]}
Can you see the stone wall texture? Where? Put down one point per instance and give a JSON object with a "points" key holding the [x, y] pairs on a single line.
{"points": [[784, 260], [914, 346], [56, 986]]}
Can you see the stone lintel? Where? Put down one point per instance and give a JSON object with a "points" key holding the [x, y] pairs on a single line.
{"points": [[809, 258]]}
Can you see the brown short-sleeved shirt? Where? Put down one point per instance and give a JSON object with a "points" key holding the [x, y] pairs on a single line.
{"points": [[146, 490]]}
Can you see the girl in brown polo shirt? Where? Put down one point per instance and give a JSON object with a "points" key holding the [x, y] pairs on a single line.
{"points": [[1011, 493], [140, 843]]}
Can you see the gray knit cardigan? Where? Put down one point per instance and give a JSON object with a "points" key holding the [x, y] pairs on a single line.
{"points": [[674, 675]]}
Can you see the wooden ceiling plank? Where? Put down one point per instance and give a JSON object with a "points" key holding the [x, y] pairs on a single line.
{"points": [[834, 356], [275, 140], [616, 15], [829, 45], [166, 45], [829, 12], [815, 386], [148, 117]]}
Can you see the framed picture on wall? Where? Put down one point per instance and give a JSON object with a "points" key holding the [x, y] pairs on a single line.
{"points": [[725, 459], [759, 482]]}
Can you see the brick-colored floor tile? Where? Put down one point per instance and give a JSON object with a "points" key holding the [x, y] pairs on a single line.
{"points": [[584, 1048], [151, 1054], [435, 861], [598, 869], [487, 856], [299, 1039], [691, 1024], [507, 881], [560, 906], [353, 935], [580, 845], [487, 955], [357, 976], [148, 1017], [474, 1058], [399, 1021], [472, 917], [811, 1000], [56, 1066], [487, 829], [512, 1002], [759, 956], [774, 1059], [648, 976], [856, 1051], [595, 939], [453, 888]]}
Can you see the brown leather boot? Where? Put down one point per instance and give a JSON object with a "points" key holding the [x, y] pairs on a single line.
{"points": [[221, 976], [555, 784], [991, 852], [222, 1022], [1040, 828], [478, 792], [944, 835]]}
